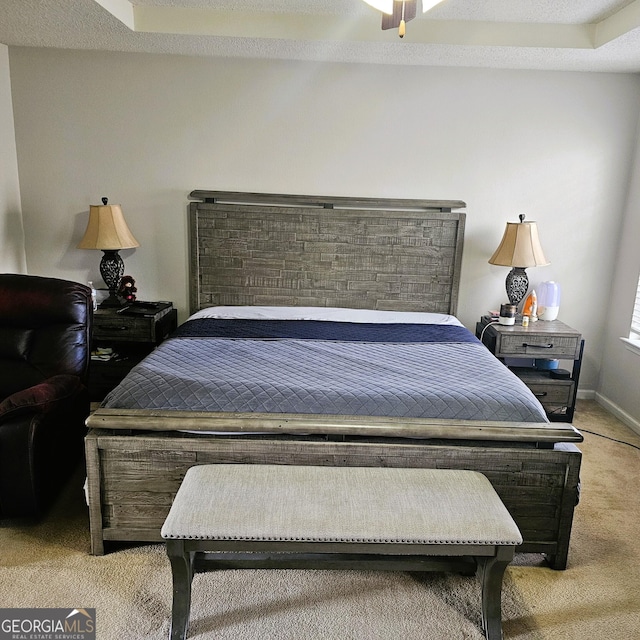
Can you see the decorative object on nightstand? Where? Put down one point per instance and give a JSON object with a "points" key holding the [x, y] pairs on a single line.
{"points": [[549, 300], [127, 290], [520, 248], [507, 314], [122, 337], [530, 307], [108, 231], [544, 344]]}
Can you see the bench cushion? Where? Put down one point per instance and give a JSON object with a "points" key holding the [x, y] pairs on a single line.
{"points": [[339, 504]]}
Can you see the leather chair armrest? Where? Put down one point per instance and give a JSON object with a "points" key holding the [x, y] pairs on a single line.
{"points": [[41, 441], [40, 398]]}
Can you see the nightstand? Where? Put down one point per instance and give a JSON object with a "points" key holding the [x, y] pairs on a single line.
{"points": [[540, 340], [130, 333]]}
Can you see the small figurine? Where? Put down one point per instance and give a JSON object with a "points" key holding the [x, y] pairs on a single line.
{"points": [[530, 307], [127, 289]]}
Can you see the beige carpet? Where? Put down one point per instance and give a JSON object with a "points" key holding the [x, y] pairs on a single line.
{"points": [[596, 598]]}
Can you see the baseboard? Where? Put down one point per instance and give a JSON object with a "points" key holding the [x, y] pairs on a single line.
{"points": [[614, 409], [586, 394]]}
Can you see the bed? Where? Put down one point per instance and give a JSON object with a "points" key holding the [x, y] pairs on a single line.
{"points": [[323, 332]]}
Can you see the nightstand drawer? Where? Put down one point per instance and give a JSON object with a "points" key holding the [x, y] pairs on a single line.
{"points": [[124, 328], [553, 394], [539, 346]]}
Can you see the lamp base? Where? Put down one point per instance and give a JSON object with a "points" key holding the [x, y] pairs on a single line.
{"points": [[112, 301], [517, 285], [111, 270]]}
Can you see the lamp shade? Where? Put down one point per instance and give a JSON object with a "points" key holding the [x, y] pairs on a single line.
{"points": [[520, 246], [107, 229]]}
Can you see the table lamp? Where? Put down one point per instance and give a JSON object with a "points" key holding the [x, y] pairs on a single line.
{"points": [[520, 248], [108, 231]]}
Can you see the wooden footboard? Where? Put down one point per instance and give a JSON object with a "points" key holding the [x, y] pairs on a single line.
{"points": [[132, 478]]}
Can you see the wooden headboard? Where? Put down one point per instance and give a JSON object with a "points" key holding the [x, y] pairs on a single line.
{"points": [[285, 250]]}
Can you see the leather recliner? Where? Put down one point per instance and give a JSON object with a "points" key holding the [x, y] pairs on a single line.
{"points": [[45, 331]]}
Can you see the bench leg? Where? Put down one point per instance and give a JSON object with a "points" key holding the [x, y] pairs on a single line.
{"points": [[182, 575], [491, 572]]}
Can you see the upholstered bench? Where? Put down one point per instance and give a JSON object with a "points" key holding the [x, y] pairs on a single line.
{"points": [[233, 515]]}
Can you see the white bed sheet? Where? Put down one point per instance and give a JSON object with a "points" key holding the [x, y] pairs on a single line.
{"points": [[333, 314]]}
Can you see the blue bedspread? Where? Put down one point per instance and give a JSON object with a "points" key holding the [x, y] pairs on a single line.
{"points": [[415, 371], [323, 330]]}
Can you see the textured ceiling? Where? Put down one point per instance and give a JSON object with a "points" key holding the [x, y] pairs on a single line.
{"points": [[580, 35]]}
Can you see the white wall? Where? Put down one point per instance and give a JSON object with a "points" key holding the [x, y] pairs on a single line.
{"points": [[12, 252], [619, 387], [145, 130]]}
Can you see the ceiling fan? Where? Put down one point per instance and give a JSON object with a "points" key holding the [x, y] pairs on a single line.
{"points": [[396, 13]]}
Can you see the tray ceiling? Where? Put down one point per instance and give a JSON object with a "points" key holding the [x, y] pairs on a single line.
{"points": [[581, 35]]}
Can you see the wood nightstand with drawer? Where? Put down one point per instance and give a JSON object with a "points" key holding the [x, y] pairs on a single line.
{"points": [[131, 333], [541, 340]]}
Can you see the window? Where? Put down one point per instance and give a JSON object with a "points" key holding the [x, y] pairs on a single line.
{"points": [[633, 341]]}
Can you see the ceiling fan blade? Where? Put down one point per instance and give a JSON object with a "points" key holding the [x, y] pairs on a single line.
{"points": [[393, 21], [386, 6], [429, 4]]}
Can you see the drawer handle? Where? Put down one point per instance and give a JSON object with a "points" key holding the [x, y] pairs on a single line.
{"points": [[537, 346], [114, 328], [540, 394]]}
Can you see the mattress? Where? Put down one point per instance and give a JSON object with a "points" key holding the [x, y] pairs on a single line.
{"points": [[327, 362]]}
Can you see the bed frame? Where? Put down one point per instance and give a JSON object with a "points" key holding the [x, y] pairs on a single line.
{"points": [[389, 254]]}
